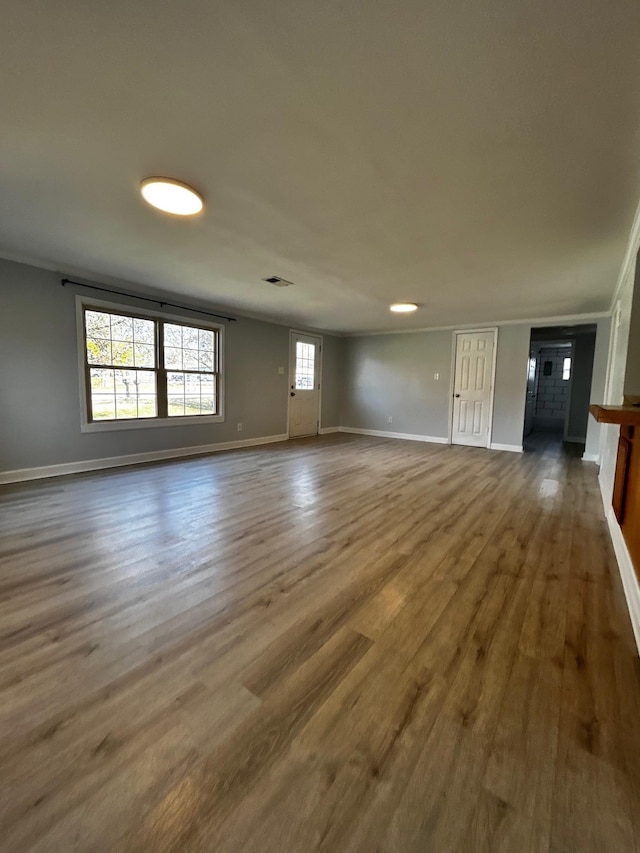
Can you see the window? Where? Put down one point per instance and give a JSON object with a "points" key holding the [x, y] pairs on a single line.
{"points": [[305, 365], [566, 368], [145, 368], [190, 359]]}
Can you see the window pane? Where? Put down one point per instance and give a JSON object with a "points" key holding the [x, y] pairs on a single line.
{"points": [[189, 348], [102, 394], [172, 358], [172, 335], [205, 340], [147, 407], [207, 385], [123, 394], [175, 406], [175, 383], [121, 328], [305, 366], [191, 394], [146, 382], [98, 351], [190, 337], [98, 324], [122, 353], [103, 407], [144, 355], [190, 359], [126, 407], [566, 369], [143, 331], [205, 361]]}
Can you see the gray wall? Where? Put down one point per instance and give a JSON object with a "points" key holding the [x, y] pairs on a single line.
{"points": [[39, 387], [332, 358], [365, 381], [582, 371], [632, 371], [511, 384], [393, 376]]}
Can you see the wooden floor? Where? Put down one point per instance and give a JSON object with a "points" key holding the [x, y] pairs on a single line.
{"points": [[338, 644]]}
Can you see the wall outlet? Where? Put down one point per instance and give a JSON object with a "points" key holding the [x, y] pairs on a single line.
{"points": [[281, 371], [239, 427], [390, 419]]}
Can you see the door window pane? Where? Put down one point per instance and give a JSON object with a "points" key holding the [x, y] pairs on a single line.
{"points": [[305, 366]]}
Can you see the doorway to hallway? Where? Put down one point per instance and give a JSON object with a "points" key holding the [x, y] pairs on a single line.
{"points": [[559, 383]]}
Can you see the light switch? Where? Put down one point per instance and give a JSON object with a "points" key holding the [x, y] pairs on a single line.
{"points": [[436, 376], [281, 370]]}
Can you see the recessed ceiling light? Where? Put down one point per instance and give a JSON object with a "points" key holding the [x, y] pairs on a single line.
{"points": [[171, 196], [403, 307]]}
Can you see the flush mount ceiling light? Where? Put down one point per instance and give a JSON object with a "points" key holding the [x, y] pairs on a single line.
{"points": [[403, 307], [171, 196]]}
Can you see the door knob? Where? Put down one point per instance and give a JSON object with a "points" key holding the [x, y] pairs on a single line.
{"points": [[456, 395], [293, 393]]}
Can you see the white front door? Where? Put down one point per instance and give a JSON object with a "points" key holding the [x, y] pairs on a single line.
{"points": [[304, 385], [472, 388]]}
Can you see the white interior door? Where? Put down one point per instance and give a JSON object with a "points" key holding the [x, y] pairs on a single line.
{"points": [[473, 388], [304, 382]]}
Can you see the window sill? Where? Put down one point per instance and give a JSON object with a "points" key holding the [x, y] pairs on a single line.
{"points": [[146, 423]]}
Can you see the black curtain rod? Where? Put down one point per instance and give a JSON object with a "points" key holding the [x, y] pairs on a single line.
{"points": [[147, 299]]}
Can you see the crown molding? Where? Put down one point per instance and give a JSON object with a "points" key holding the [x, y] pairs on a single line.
{"points": [[289, 322], [458, 327], [629, 259]]}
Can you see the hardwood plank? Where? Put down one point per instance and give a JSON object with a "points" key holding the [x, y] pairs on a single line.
{"points": [[338, 644]]}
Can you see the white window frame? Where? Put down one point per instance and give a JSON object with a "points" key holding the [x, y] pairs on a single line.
{"points": [[82, 303]]}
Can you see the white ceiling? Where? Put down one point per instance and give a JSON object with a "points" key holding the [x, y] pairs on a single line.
{"points": [[480, 158]]}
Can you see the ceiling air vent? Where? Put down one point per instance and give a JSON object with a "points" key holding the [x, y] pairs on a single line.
{"points": [[277, 281]]}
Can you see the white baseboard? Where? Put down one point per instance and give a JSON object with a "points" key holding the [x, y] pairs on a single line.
{"points": [[433, 439], [590, 457], [22, 474], [378, 433], [328, 430], [625, 566], [627, 573]]}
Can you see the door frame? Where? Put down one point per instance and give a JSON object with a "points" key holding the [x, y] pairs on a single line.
{"points": [[567, 414], [293, 332], [454, 347], [526, 393]]}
